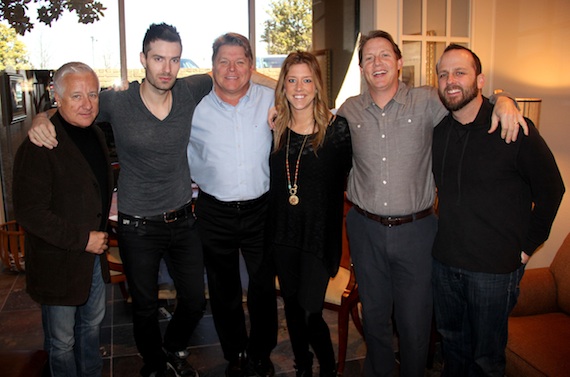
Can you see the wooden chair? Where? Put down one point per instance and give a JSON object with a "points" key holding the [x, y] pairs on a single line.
{"points": [[12, 246], [342, 297], [116, 266]]}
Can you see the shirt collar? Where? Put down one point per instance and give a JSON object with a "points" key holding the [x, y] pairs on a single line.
{"points": [[400, 96], [224, 105]]}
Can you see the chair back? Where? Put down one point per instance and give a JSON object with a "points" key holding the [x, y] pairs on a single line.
{"points": [[345, 260], [12, 246], [341, 286]]}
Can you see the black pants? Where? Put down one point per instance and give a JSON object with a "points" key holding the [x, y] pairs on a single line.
{"points": [[225, 230], [142, 245], [303, 279]]}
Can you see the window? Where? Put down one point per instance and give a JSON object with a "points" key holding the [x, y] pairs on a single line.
{"points": [[97, 44], [428, 26]]}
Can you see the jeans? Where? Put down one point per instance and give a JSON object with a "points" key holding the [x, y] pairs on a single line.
{"points": [[471, 311], [71, 333], [393, 270], [142, 245]]}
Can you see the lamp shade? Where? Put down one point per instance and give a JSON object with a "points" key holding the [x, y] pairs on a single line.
{"points": [[530, 108]]}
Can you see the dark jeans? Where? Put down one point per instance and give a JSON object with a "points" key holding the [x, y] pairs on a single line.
{"points": [[393, 270], [471, 312], [142, 245], [225, 231]]}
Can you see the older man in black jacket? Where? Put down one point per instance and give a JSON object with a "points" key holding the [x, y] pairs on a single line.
{"points": [[62, 200]]}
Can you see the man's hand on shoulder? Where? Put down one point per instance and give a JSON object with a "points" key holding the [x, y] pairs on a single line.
{"points": [[43, 132], [506, 113]]}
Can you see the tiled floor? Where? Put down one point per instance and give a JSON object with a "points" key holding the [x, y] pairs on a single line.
{"points": [[20, 329]]}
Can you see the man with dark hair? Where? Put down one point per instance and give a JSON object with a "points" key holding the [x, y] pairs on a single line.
{"points": [[497, 203], [229, 155], [391, 226], [151, 123], [62, 200]]}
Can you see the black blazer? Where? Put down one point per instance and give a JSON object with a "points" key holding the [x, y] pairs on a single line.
{"points": [[57, 201]]}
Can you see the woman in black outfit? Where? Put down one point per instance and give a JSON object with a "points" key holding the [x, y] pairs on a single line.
{"points": [[309, 165]]}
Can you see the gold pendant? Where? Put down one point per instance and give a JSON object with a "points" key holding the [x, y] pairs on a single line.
{"points": [[293, 200]]}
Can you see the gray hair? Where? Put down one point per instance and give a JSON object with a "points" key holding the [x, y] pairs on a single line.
{"points": [[67, 68]]}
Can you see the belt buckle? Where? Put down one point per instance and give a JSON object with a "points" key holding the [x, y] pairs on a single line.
{"points": [[168, 218]]}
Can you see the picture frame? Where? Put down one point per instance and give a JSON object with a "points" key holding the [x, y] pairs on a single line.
{"points": [[17, 98], [324, 59]]}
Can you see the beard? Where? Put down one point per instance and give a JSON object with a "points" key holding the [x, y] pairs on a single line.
{"points": [[468, 95]]}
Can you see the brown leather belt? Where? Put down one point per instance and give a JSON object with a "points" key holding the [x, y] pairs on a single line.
{"points": [[395, 220]]}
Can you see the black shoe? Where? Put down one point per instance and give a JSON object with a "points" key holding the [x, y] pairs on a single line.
{"points": [[236, 367], [328, 373], [165, 373], [177, 363], [260, 368], [304, 368]]}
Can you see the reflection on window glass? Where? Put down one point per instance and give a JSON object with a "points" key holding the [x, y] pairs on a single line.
{"points": [[423, 47], [412, 10], [436, 15], [411, 71], [459, 18]]}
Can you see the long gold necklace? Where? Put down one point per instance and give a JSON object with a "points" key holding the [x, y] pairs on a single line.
{"points": [[293, 198]]}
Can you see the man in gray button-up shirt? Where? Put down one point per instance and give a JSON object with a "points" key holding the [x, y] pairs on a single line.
{"points": [[392, 227]]}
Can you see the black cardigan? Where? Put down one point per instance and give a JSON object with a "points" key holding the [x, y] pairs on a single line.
{"points": [[315, 224]]}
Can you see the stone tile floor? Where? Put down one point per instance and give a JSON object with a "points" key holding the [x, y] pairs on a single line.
{"points": [[20, 329]]}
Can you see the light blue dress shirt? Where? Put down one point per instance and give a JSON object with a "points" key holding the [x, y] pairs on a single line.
{"points": [[229, 147]]}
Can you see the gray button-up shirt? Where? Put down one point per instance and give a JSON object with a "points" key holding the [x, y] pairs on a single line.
{"points": [[391, 172]]}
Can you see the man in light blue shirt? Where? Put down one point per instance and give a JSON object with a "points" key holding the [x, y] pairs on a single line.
{"points": [[229, 151]]}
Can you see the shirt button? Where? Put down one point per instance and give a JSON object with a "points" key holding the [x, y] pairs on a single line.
{"points": [[383, 114], [409, 121], [383, 158], [383, 136], [358, 126], [384, 182], [385, 204]]}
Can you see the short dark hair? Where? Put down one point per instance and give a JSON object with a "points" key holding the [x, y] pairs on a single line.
{"points": [[476, 60], [377, 34], [232, 39], [161, 32]]}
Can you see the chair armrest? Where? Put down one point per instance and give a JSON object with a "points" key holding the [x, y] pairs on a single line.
{"points": [[537, 293]]}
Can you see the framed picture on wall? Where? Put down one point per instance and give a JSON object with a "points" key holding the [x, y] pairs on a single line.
{"points": [[16, 97], [324, 59]]}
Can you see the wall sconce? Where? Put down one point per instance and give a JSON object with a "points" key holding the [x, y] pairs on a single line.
{"points": [[530, 108]]}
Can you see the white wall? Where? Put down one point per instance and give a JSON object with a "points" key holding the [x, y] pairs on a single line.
{"points": [[525, 49]]}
